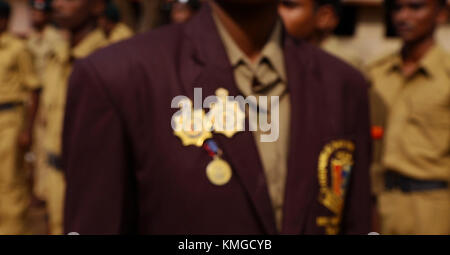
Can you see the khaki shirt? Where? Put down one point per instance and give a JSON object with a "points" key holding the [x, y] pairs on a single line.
{"points": [[415, 115], [42, 47], [120, 32], [17, 76], [270, 71], [55, 81], [333, 46]]}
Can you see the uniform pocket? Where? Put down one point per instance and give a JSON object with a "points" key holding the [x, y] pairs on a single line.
{"points": [[430, 125], [437, 116]]}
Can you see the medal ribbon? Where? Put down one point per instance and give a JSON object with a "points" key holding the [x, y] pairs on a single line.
{"points": [[212, 148]]}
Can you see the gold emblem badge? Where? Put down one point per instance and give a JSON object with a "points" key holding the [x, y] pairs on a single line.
{"points": [[335, 164], [192, 130], [228, 117]]}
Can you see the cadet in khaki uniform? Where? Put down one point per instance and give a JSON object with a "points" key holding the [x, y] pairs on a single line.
{"points": [[17, 82], [79, 17], [111, 25], [41, 44], [315, 21], [45, 36], [411, 118]]}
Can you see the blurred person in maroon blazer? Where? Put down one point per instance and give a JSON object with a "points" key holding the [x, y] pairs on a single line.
{"points": [[127, 171]]}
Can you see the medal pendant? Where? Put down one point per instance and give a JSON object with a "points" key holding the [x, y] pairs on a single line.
{"points": [[219, 172]]}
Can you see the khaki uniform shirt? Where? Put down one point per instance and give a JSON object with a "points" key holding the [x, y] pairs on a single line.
{"points": [[120, 32], [333, 46], [269, 70], [17, 76], [42, 47], [415, 115], [55, 81]]}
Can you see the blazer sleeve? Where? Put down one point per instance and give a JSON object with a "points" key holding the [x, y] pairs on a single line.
{"points": [[358, 205], [100, 197]]}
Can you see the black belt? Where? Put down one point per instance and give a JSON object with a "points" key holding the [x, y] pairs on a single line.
{"points": [[406, 184], [9, 106], [55, 161]]}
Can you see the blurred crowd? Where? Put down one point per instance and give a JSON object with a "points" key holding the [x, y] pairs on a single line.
{"points": [[410, 156]]}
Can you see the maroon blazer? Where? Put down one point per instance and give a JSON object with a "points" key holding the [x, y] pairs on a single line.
{"points": [[128, 173]]}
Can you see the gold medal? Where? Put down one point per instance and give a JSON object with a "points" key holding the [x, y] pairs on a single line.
{"points": [[218, 172]]}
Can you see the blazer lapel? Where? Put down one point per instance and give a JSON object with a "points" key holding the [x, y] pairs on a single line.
{"points": [[305, 132], [208, 68]]}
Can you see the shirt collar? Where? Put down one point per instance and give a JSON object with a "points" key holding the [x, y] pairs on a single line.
{"points": [[429, 64], [396, 63], [433, 60], [48, 29], [92, 41], [272, 51]]}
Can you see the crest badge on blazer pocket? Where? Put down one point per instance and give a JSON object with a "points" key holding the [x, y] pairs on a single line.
{"points": [[334, 171]]}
